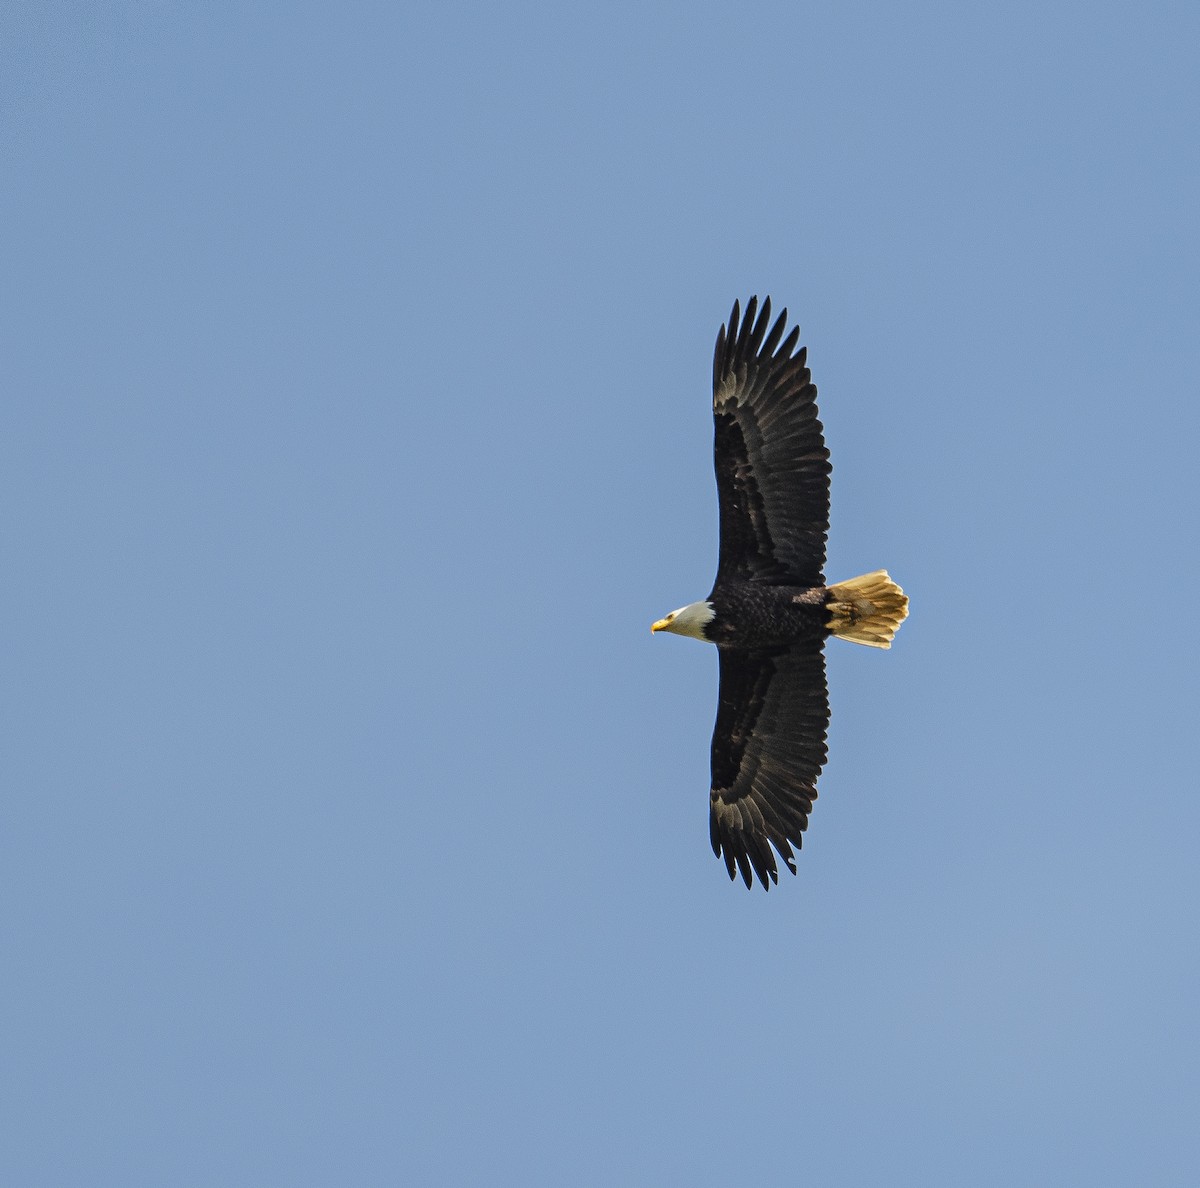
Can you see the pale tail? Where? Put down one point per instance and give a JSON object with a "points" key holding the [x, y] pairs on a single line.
{"points": [[867, 610]]}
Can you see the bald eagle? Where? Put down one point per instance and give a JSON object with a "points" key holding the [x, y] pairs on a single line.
{"points": [[770, 611]]}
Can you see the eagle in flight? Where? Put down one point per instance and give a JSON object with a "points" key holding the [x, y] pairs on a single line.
{"points": [[770, 611]]}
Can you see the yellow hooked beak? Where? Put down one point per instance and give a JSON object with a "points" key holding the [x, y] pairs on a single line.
{"points": [[661, 625]]}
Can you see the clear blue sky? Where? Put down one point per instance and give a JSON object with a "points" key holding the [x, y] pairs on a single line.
{"points": [[355, 427]]}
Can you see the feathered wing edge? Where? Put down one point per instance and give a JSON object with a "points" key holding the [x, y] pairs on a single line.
{"points": [[747, 339]]}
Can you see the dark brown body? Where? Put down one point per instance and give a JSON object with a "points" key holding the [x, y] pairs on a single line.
{"points": [[754, 615]]}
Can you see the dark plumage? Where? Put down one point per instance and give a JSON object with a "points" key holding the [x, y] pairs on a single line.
{"points": [[770, 612]]}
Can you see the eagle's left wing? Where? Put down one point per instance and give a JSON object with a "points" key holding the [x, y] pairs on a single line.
{"points": [[768, 748]]}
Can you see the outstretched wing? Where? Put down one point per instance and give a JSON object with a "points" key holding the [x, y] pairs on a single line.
{"points": [[772, 464], [768, 748]]}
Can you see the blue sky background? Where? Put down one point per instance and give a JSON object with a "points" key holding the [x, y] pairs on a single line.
{"points": [[355, 428]]}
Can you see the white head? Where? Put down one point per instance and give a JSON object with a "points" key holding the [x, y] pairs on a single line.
{"points": [[687, 620]]}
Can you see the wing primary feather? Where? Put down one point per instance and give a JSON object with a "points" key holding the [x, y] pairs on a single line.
{"points": [[789, 343], [772, 341], [762, 859], [781, 844], [730, 862], [747, 328], [754, 345], [743, 861], [719, 358]]}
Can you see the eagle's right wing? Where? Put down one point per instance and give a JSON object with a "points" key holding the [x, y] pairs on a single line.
{"points": [[769, 449], [768, 748]]}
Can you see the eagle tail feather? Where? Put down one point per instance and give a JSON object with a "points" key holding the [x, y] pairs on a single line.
{"points": [[867, 609]]}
